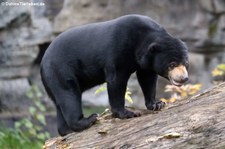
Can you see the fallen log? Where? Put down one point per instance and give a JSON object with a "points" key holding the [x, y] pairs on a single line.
{"points": [[196, 122]]}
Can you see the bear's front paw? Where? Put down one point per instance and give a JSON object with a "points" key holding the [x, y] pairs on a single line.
{"points": [[124, 114], [156, 106], [92, 118]]}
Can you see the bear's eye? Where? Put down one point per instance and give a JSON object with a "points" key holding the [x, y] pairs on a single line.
{"points": [[172, 65], [186, 65]]}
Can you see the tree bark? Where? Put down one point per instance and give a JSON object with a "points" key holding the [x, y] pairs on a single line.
{"points": [[196, 122]]}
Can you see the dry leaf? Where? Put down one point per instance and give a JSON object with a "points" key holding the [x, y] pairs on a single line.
{"points": [[171, 135]]}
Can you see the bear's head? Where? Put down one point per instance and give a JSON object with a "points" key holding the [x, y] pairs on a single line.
{"points": [[168, 57]]}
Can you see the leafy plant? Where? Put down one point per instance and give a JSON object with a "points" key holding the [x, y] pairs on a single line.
{"points": [[12, 139], [213, 27], [101, 89], [181, 92], [28, 133], [127, 94], [33, 126], [218, 73]]}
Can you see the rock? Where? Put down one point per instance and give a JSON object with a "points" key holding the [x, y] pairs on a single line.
{"points": [[197, 122], [221, 23], [21, 33], [219, 6], [193, 25], [8, 16], [76, 13], [25, 33], [14, 72], [13, 95], [90, 98], [16, 56], [207, 5]]}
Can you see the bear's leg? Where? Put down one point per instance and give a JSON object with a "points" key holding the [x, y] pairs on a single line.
{"points": [[66, 95], [63, 128], [71, 110], [148, 81], [116, 90]]}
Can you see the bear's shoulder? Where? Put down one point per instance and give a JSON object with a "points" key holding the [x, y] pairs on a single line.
{"points": [[139, 21]]}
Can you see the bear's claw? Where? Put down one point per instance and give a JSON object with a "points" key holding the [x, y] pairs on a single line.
{"points": [[156, 106], [124, 114], [92, 118]]}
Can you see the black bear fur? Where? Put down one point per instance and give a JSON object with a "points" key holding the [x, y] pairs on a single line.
{"points": [[85, 56]]}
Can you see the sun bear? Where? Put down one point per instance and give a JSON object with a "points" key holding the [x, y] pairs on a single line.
{"points": [[85, 56]]}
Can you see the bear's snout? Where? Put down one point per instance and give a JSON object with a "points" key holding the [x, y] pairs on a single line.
{"points": [[178, 75]]}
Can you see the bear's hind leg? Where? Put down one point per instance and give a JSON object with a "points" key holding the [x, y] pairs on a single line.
{"points": [[66, 95], [63, 128], [71, 110]]}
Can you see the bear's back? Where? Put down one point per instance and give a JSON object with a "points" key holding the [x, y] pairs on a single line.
{"points": [[100, 38]]}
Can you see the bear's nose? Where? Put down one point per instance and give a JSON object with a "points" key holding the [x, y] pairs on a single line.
{"points": [[184, 79]]}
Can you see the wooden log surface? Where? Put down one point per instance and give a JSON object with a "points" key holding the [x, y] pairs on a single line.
{"points": [[194, 123]]}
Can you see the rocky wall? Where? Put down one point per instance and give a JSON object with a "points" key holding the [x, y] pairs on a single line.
{"points": [[26, 31]]}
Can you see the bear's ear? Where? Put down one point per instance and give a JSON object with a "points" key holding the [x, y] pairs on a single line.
{"points": [[153, 48]]}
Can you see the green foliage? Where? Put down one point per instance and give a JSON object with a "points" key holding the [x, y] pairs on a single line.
{"points": [[213, 27], [127, 94], [33, 126], [218, 73], [12, 139], [28, 132], [101, 89], [221, 67]]}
